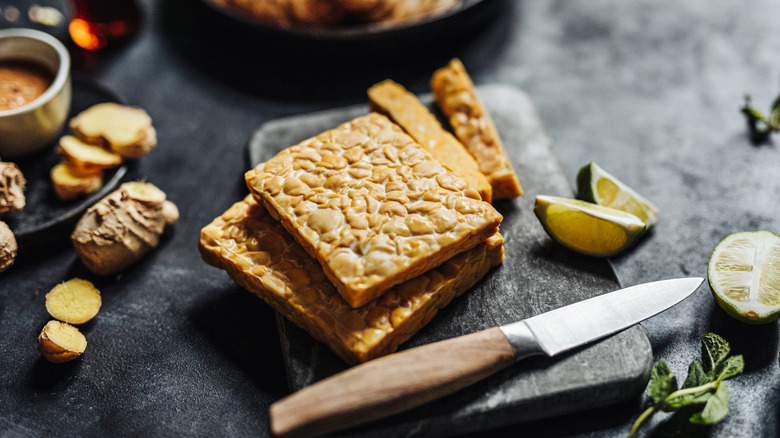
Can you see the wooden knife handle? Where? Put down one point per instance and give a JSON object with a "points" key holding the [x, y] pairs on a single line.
{"points": [[391, 384]]}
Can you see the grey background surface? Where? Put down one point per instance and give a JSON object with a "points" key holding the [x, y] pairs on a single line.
{"points": [[648, 89]]}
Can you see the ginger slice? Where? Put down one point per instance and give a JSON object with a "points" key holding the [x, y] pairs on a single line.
{"points": [[126, 130], [144, 192], [61, 342], [69, 185], [75, 301], [86, 159]]}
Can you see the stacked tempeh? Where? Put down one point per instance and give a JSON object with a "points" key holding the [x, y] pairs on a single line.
{"points": [[358, 235], [262, 257]]}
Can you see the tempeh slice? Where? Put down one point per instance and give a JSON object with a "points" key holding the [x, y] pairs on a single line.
{"points": [[263, 258], [371, 205], [403, 107], [458, 100]]}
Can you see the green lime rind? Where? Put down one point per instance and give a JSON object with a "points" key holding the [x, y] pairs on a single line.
{"points": [[746, 318], [587, 190], [750, 311], [634, 227]]}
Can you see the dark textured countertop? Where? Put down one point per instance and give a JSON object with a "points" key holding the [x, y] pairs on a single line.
{"points": [[649, 90]]}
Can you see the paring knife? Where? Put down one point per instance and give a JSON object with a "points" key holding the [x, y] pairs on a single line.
{"points": [[403, 380]]}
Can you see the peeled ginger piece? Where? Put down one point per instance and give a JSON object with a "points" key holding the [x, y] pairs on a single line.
{"points": [[75, 301], [144, 192], [60, 342], [120, 228]]}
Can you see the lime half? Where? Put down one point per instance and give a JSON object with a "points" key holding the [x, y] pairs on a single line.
{"points": [[744, 276], [595, 185], [588, 228]]}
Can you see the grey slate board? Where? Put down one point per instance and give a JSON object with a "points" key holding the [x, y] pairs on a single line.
{"points": [[536, 276]]}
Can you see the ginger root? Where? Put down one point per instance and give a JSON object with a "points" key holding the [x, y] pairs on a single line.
{"points": [[122, 227], [69, 185], [61, 342], [12, 184], [126, 130], [8, 247], [75, 301]]}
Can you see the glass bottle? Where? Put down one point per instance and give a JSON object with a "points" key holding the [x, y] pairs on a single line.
{"points": [[100, 23]]}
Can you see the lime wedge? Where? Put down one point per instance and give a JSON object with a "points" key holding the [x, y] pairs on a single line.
{"points": [[744, 276], [588, 228], [595, 185]]}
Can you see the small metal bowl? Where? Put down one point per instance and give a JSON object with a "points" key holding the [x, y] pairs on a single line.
{"points": [[31, 127]]}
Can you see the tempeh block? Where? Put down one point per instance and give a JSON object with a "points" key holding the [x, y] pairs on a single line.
{"points": [[263, 258], [458, 100], [371, 205], [403, 107]]}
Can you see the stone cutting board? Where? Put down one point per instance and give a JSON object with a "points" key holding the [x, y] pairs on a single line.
{"points": [[536, 276]]}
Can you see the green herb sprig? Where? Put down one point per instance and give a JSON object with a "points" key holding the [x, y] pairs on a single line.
{"points": [[704, 386], [760, 126]]}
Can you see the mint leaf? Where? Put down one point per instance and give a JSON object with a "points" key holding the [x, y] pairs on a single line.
{"points": [[714, 351], [662, 382], [704, 397], [776, 104], [759, 126], [672, 404], [716, 409], [774, 118], [696, 375], [752, 114], [731, 367]]}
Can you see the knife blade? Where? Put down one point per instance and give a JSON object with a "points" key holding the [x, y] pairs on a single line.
{"points": [[409, 378]]}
